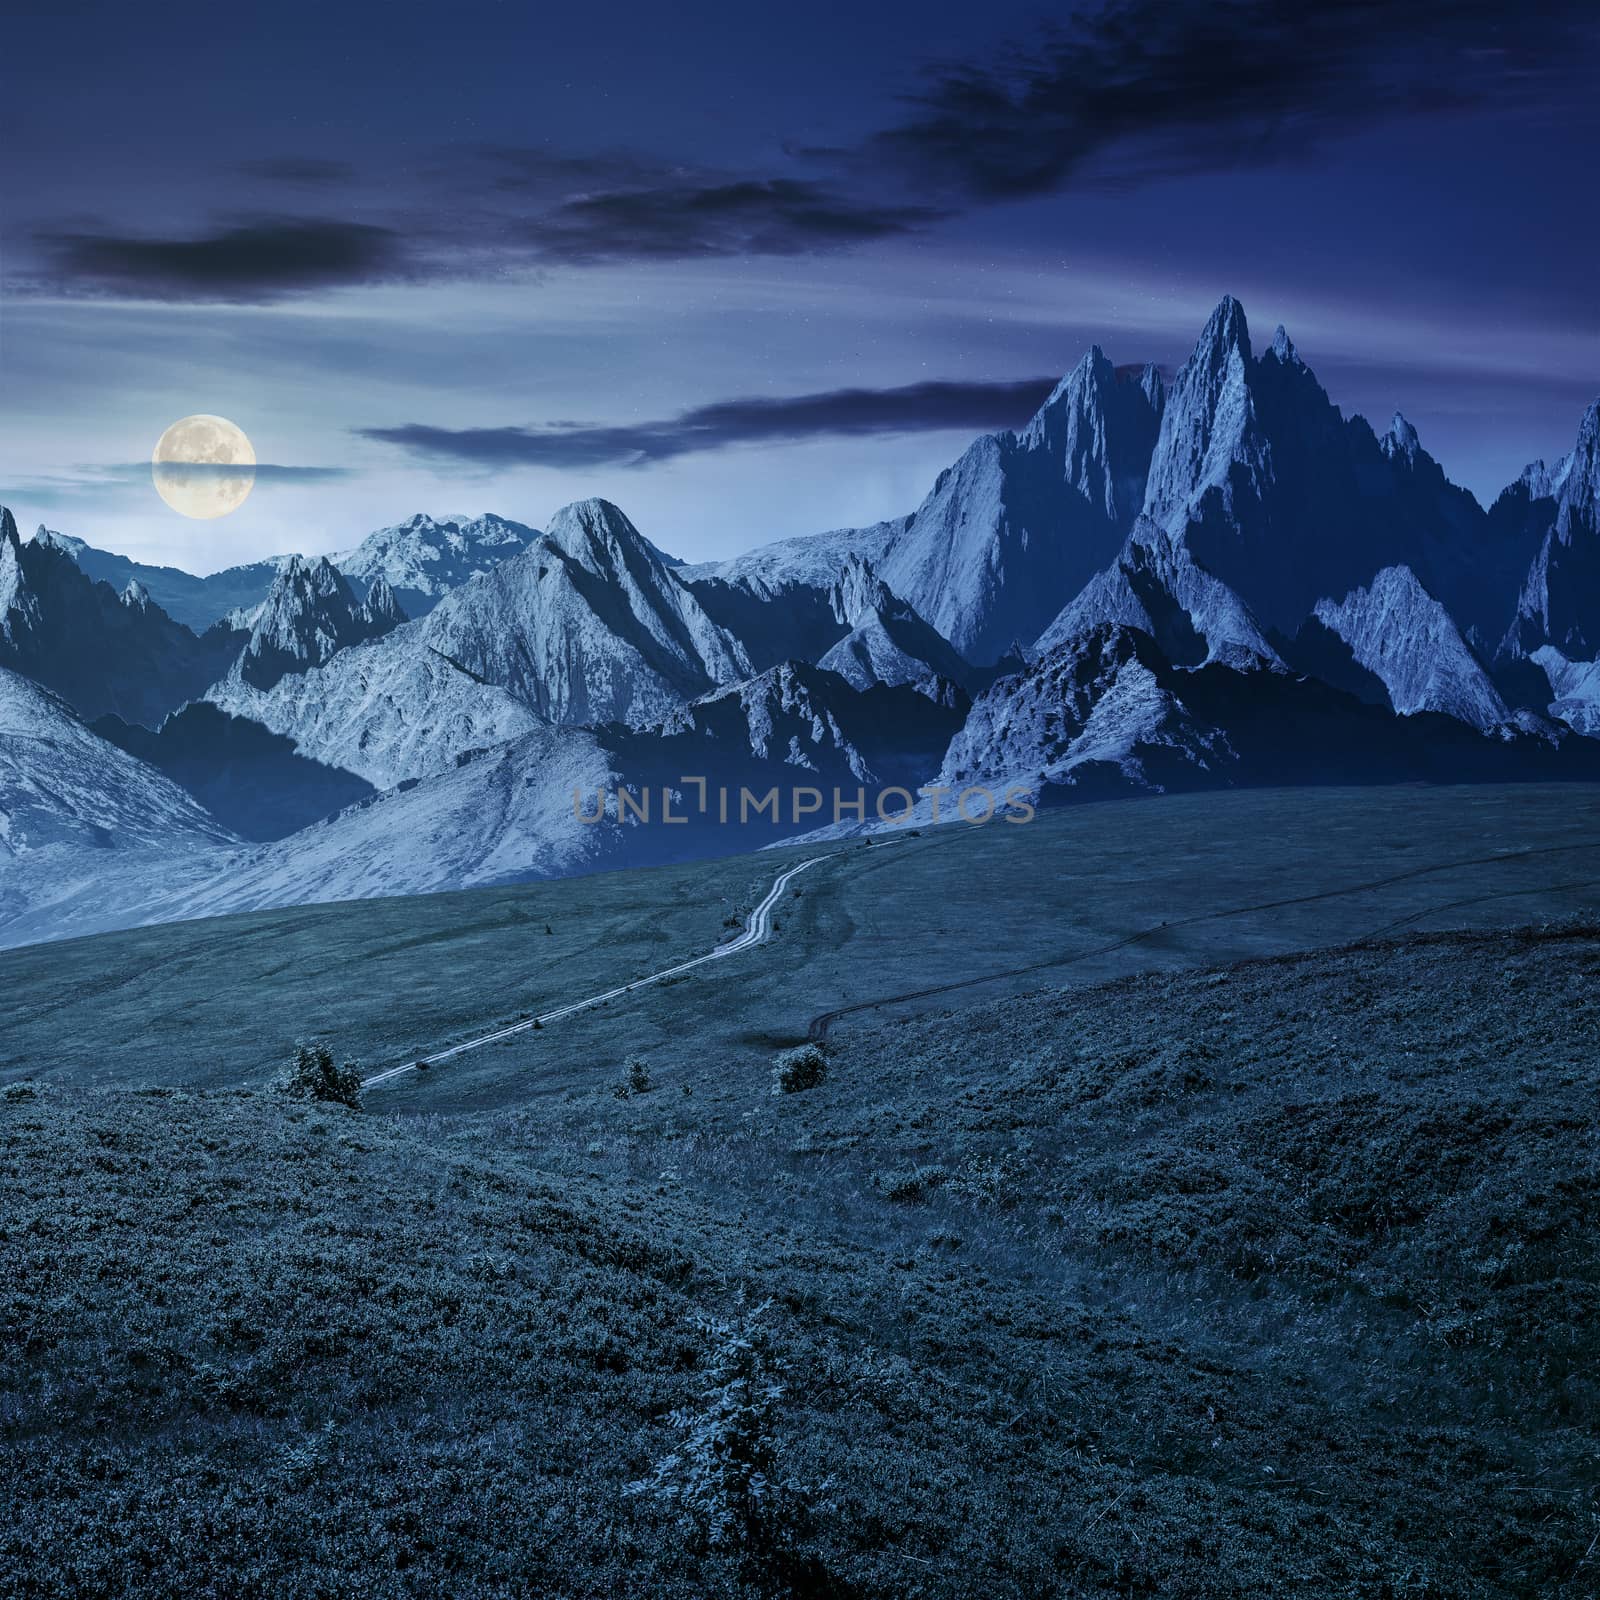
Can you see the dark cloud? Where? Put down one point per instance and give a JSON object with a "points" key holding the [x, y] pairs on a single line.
{"points": [[744, 217], [1139, 89], [247, 262], [299, 169], [1117, 95], [914, 408]]}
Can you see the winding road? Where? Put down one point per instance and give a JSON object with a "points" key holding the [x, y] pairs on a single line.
{"points": [[758, 929]]}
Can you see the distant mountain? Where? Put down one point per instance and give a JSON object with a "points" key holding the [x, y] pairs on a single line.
{"points": [[103, 652], [390, 710], [587, 625], [1107, 713], [198, 603], [251, 780], [1009, 532], [1396, 631], [887, 642], [78, 817], [815, 721], [1560, 600], [309, 614], [1574, 687], [422, 559]]}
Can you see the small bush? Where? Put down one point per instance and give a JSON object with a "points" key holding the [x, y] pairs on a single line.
{"points": [[635, 1078], [909, 1185], [723, 1481], [801, 1068], [312, 1075]]}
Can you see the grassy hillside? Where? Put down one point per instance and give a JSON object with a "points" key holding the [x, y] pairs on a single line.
{"points": [[1277, 1278], [1095, 891]]}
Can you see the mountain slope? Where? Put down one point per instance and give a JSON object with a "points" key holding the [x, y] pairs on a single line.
{"points": [[104, 653], [1106, 712], [589, 624], [309, 614], [1575, 686], [888, 643], [1560, 600], [198, 603], [1011, 531], [85, 828], [423, 558], [1398, 632]]}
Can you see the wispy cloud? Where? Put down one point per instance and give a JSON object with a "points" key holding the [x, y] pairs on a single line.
{"points": [[1118, 94], [1141, 89], [913, 408], [97, 482]]}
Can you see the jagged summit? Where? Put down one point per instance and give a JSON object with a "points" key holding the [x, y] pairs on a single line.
{"points": [[1402, 437], [309, 614], [135, 594], [425, 557]]}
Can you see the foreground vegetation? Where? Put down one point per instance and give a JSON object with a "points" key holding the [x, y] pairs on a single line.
{"points": [[1280, 1278]]}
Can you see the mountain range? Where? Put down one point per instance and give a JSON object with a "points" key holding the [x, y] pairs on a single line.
{"points": [[1156, 584]]}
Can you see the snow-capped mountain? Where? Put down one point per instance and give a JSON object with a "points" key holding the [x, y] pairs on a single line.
{"points": [[1560, 600], [587, 625], [423, 558], [388, 711], [309, 614], [60, 783], [1022, 520], [1224, 581], [1399, 633], [101, 651]]}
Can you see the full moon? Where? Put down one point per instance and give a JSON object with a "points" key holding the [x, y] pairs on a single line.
{"points": [[203, 467]]}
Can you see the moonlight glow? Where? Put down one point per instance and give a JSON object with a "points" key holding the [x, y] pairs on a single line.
{"points": [[204, 467]]}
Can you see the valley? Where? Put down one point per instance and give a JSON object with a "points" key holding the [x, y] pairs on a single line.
{"points": [[1080, 895]]}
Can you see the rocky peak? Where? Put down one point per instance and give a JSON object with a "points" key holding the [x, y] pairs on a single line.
{"points": [[382, 608], [135, 596], [1401, 439], [310, 613], [859, 594]]}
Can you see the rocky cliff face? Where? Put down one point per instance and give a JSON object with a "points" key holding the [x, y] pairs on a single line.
{"points": [[101, 651], [308, 616]]}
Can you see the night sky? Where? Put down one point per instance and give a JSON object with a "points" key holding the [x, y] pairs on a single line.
{"points": [[753, 271]]}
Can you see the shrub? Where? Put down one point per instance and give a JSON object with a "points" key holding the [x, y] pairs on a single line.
{"points": [[801, 1068], [635, 1077], [723, 1479], [909, 1185], [312, 1075]]}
